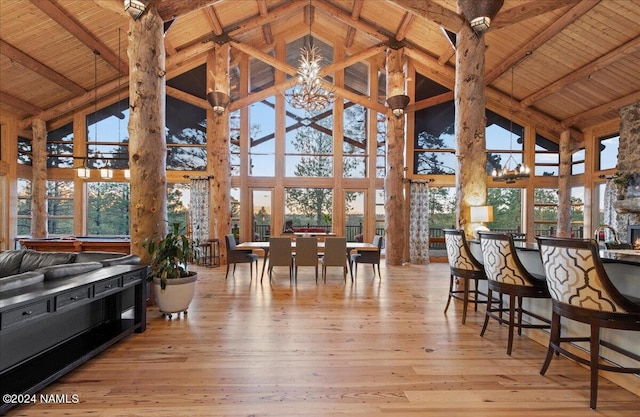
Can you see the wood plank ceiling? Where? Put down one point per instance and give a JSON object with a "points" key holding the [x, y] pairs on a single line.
{"points": [[575, 62]]}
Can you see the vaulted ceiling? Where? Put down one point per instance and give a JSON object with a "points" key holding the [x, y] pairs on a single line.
{"points": [[575, 62]]}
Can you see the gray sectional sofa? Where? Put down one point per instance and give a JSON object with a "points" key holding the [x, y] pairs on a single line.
{"points": [[20, 268]]}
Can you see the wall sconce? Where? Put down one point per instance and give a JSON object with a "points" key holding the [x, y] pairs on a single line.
{"points": [[135, 8], [397, 104], [218, 101], [482, 215]]}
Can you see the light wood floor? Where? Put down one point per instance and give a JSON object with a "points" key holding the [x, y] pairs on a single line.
{"points": [[376, 347]]}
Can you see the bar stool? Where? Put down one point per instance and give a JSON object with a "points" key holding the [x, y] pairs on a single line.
{"points": [[581, 291], [508, 276], [463, 265]]}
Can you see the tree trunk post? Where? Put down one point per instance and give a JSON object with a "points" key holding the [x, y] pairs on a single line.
{"points": [[564, 188], [39, 179], [219, 157], [470, 125], [147, 142], [393, 182]]}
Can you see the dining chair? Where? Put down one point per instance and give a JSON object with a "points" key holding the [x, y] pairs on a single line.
{"points": [[507, 276], [280, 254], [306, 254], [618, 245], [368, 257], [463, 265], [582, 291], [335, 254], [238, 256]]}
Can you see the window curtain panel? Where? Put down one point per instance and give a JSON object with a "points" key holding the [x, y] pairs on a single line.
{"points": [[199, 209], [419, 223]]}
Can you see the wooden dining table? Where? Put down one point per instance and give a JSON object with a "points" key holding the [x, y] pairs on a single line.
{"points": [[264, 246]]}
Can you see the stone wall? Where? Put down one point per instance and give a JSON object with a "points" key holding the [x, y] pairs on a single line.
{"points": [[625, 212]]}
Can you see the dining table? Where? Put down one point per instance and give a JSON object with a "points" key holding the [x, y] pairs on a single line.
{"points": [[264, 246]]}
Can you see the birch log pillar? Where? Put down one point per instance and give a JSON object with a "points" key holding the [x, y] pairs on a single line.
{"points": [[470, 126], [220, 203], [39, 179], [393, 181], [564, 188], [147, 142]]}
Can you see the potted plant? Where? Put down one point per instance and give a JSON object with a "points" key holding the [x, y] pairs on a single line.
{"points": [[173, 283]]}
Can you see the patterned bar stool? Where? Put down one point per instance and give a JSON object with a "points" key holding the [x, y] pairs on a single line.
{"points": [[463, 265], [581, 290], [508, 276]]}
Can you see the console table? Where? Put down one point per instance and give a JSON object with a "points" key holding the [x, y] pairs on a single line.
{"points": [[58, 325]]}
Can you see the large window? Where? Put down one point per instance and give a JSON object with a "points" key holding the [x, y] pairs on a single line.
{"points": [[24, 207], [108, 208], [434, 142], [505, 142], [507, 209], [545, 211], [60, 208], [608, 155], [354, 143], [108, 137], [60, 147], [577, 212], [309, 144], [178, 204], [547, 157], [310, 207], [262, 138], [578, 162], [25, 151]]}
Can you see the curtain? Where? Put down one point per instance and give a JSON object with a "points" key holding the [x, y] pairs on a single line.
{"points": [[419, 223], [199, 209]]}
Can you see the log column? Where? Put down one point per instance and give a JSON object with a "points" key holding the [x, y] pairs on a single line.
{"points": [[39, 179], [147, 142], [393, 181], [470, 125], [219, 157], [564, 187]]}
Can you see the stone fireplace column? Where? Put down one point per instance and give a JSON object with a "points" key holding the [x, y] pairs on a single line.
{"points": [[628, 209]]}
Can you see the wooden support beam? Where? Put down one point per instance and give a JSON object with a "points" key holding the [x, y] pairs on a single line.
{"points": [[470, 127], [147, 142], [564, 186], [264, 57], [39, 68], [605, 108], [214, 20], [403, 28], [39, 179], [523, 11], [543, 37], [622, 52], [433, 11], [282, 12], [12, 101], [394, 203], [71, 25]]}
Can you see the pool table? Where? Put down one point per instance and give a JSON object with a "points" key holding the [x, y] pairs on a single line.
{"points": [[79, 244]]}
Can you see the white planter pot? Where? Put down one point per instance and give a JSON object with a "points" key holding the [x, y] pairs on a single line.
{"points": [[177, 295]]}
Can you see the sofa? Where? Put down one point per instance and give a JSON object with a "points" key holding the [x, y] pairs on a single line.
{"points": [[21, 268]]}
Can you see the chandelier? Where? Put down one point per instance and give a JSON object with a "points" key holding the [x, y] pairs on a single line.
{"points": [[511, 170], [308, 93]]}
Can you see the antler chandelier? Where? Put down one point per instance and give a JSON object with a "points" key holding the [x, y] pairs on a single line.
{"points": [[308, 93]]}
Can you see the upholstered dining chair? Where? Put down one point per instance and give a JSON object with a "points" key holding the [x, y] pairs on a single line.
{"points": [[368, 257], [238, 256], [306, 254], [463, 265], [335, 254], [581, 291], [280, 254], [507, 276]]}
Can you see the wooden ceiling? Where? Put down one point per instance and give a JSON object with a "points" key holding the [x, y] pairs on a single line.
{"points": [[575, 62]]}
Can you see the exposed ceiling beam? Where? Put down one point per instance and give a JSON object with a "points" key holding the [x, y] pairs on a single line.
{"points": [[266, 28], [429, 102], [74, 27], [604, 61], [39, 68], [403, 28], [170, 9], [431, 10], [346, 18], [264, 57], [524, 11], [543, 37], [19, 104], [614, 105], [352, 59], [277, 13], [214, 20], [355, 15]]}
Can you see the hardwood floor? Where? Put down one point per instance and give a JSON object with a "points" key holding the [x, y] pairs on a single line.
{"points": [[376, 347]]}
